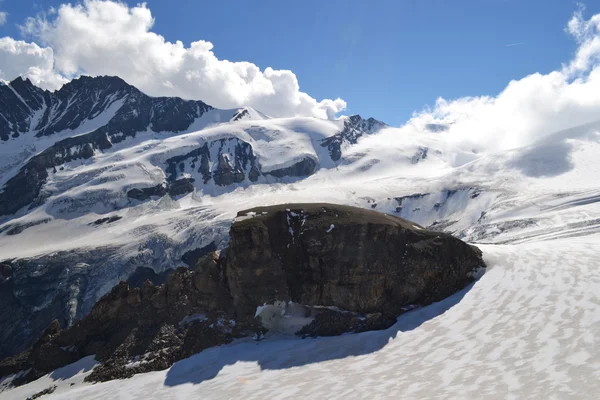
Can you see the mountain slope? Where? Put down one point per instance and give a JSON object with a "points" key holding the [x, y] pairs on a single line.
{"points": [[149, 200], [94, 193]]}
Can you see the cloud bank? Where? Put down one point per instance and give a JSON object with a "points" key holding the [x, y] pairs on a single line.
{"points": [[110, 38], [528, 110]]}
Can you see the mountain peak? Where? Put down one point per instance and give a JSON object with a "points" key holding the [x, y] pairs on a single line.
{"points": [[113, 83]]}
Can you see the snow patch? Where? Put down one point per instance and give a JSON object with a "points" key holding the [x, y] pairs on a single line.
{"points": [[282, 317]]}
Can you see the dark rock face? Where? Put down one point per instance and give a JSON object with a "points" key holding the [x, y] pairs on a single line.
{"points": [[191, 257], [17, 228], [373, 266], [181, 186], [306, 167], [224, 161], [421, 154], [334, 323], [107, 220], [354, 128], [240, 115], [437, 127], [143, 274], [146, 193], [358, 260]]}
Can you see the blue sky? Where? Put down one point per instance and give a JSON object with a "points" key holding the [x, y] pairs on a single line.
{"points": [[384, 58]]}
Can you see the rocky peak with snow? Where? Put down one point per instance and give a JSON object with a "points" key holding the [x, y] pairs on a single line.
{"points": [[354, 128]]}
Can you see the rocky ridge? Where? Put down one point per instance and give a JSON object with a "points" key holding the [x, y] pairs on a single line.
{"points": [[302, 257]]}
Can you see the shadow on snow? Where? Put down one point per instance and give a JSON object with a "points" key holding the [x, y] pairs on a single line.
{"points": [[282, 353]]}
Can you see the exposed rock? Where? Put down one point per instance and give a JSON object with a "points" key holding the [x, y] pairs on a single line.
{"points": [[354, 128], [143, 274], [306, 167], [437, 127], [191, 257], [225, 161], [421, 154], [334, 323], [5, 272], [130, 322], [45, 288], [240, 114], [107, 220], [145, 193], [48, 390], [356, 259], [226, 173], [371, 266], [17, 228], [181, 186]]}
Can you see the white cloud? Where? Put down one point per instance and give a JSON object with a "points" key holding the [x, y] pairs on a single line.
{"points": [[528, 110], [587, 34], [29, 60], [3, 17], [110, 38]]}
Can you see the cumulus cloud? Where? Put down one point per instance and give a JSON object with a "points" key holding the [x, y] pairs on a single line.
{"points": [[110, 38], [530, 109], [30, 60]]}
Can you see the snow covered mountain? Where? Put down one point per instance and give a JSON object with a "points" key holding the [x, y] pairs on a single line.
{"points": [[76, 161], [101, 183]]}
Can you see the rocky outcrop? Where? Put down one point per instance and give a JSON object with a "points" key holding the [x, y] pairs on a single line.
{"points": [[356, 259], [142, 194], [191, 257], [354, 128], [164, 323], [181, 186], [347, 269], [305, 167], [224, 161]]}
